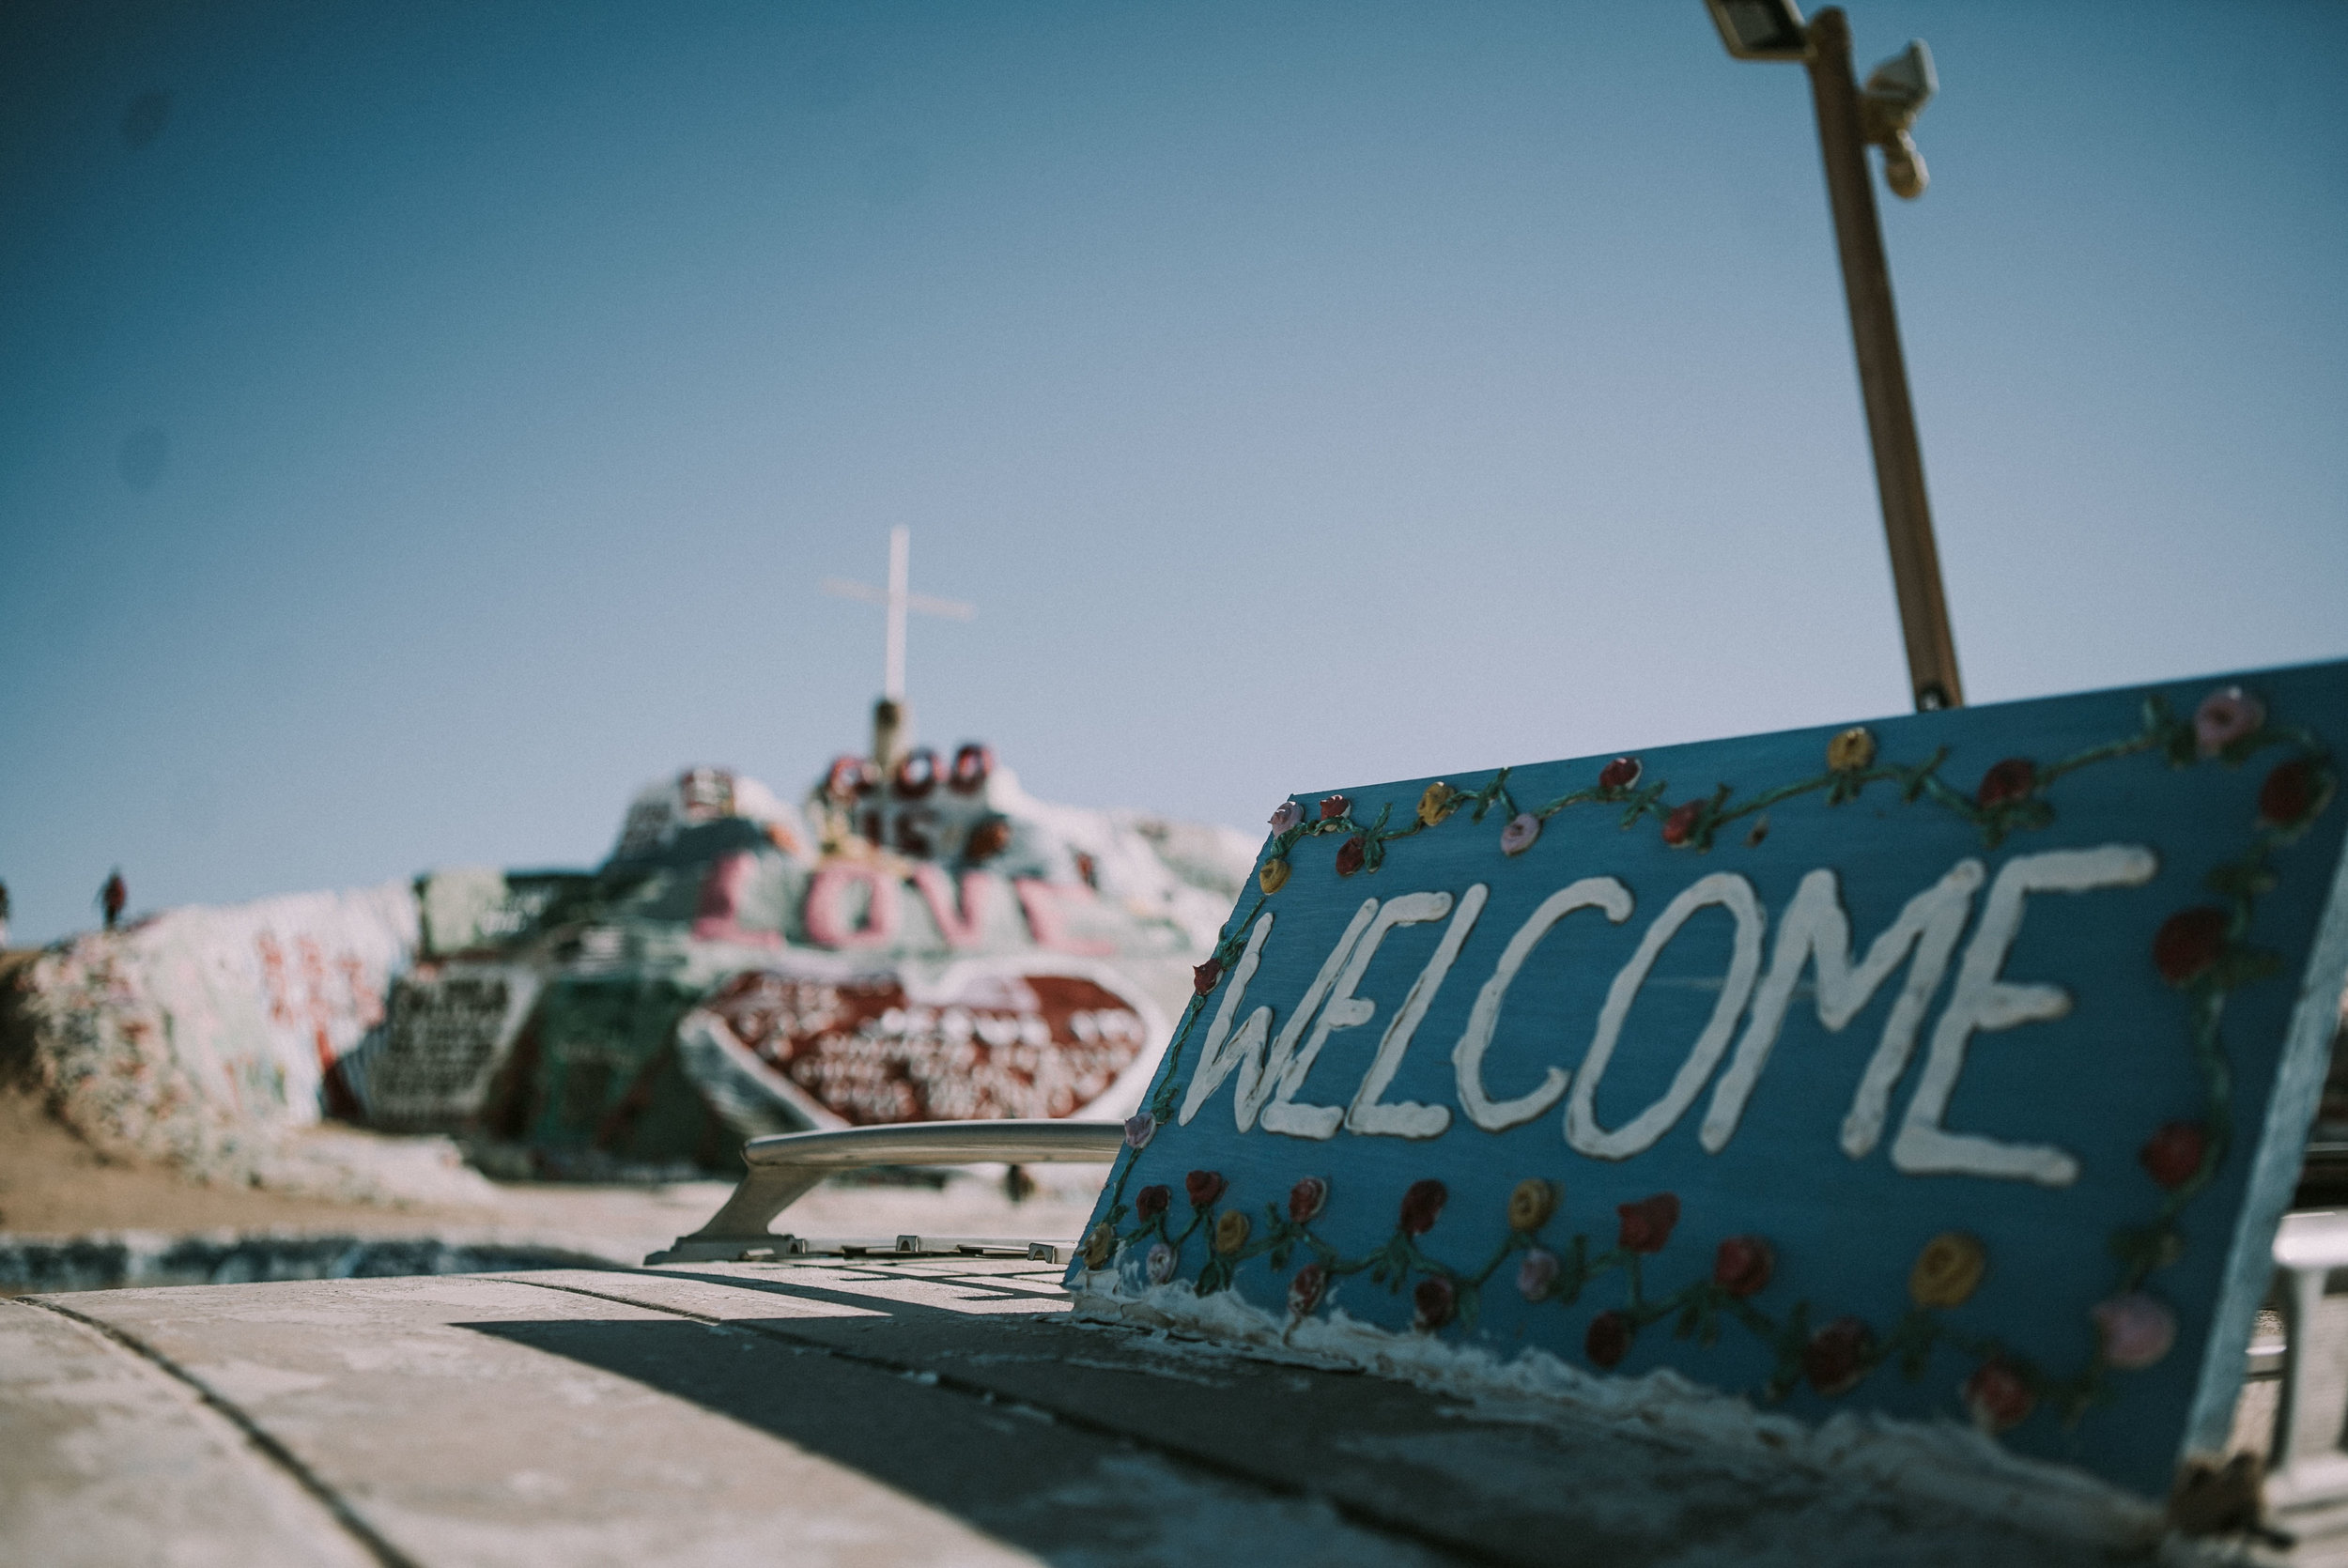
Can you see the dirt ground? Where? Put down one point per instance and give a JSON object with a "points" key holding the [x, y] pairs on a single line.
{"points": [[53, 1184]]}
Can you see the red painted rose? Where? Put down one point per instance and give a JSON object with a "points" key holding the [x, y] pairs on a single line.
{"points": [[1204, 1187], [1743, 1265], [2174, 1153], [2009, 781], [1620, 773], [1647, 1223], [1432, 1302], [1150, 1202], [2189, 944], [1836, 1357], [2289, 796], [1306, 1199], [1608, 1341], [1334, 806], [1206, 977], [1681, 824], [1421, 1205], [1998, 1398], [1350, 855]]}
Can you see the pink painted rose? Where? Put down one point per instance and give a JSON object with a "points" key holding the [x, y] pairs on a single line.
{"points": [[2225, 716], [1334, 807], [1680, 826], [1837, 1354], [1289, 814], [1743, 1265], [1158, 1266], [1306, 1291], [1209, 974], [1998, 1397], [1519, 835], [1432, 1302], [1349, 854], [2189, 944], [1646, 1224], [1150, 1202], [1139, 1129], [1306, 1199], [1620, 773], [2007, 782], [1421, 1205], [1537, 1273], [1608, 1341], [1203, 1188], [2174, 1153], [2137, 1329]]}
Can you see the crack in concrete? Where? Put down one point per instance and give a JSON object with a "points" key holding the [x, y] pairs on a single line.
{"points": [[344, 1514]]}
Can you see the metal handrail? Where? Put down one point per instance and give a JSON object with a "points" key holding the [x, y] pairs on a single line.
{"points": [[787, 1166]]}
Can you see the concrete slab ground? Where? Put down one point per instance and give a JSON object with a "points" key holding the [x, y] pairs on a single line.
{"points": [[834, 1411]]}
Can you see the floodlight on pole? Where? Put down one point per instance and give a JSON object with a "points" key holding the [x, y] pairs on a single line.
{"points": [[1849, 121], [1761, 29]]}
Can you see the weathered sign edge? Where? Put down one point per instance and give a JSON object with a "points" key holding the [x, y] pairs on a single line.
{"points": [[2290, 1108]]}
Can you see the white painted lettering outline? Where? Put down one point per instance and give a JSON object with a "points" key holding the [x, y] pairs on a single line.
{"points": [[1368, 1113], [1223, 1053], [1730, 891], [1342, 1010], [1605, 894], [1982, 1002], [1816, 931]]}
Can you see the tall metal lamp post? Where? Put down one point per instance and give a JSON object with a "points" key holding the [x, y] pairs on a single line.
{"points": [[1850, 118]]}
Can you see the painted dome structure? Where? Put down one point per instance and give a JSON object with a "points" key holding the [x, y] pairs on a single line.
{"points": [[919, 939]]}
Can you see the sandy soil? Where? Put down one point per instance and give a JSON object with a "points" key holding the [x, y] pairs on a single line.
{"points": [[52, 1184]]}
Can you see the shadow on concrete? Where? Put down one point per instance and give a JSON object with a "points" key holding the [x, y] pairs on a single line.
{"points": [[1069, 1495]]}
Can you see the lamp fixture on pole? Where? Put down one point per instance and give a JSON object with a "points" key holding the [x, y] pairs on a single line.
{"points": [[1851, 119]]}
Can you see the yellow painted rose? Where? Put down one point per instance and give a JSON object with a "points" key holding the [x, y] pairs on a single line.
{"points": [[1273, 877], [1948, 1271], [1851, 750], [1531, 1205], [1230, 1232], [1439, 802], [1100, 1246]]}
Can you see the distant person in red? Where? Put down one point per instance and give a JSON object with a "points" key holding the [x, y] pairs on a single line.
{"points": [[113, 896]]}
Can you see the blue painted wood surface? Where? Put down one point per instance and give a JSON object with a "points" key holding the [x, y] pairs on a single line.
{"points": [[2226, 1045]]}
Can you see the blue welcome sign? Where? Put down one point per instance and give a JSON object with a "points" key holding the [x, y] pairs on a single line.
{"points": [[1957, 1063]]}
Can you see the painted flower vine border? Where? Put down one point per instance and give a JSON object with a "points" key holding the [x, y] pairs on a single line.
{"points": [[2202, 952]]}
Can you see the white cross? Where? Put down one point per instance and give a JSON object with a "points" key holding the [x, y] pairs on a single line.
{"points": [[897, 600]]}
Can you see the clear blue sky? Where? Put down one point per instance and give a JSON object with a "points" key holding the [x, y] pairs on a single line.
{"points": [[436, 421]]}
